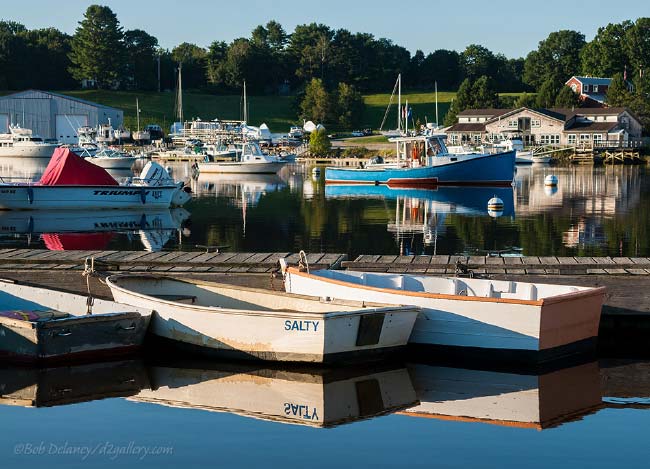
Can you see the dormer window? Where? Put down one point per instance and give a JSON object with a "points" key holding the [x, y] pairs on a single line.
{"points": [[595, 88], [585, 88]]}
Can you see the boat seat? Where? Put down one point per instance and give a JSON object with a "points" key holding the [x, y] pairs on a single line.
{"points": [[385, 281], [33, 316], [185, 299]]}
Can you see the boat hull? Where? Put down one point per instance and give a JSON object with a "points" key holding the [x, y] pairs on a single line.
{"points": [[37, 151], [117, 162], [33, 197], [307, 331], [477, 323], [469, 170], [112, 329], [245, 168]]}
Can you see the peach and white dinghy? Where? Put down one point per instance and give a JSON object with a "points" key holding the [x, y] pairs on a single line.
{"points": [[540, 322], [250, 323]]}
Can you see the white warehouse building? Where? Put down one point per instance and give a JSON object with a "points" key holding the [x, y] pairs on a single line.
{"points": [[54, 116]]}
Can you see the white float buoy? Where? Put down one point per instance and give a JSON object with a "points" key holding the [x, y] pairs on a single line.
{"points": [[550, 180], [495, 207]]}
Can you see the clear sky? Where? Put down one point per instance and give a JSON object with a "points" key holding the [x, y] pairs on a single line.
{"points": [[511, 27]]}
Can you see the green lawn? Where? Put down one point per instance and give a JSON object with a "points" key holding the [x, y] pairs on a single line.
{"points": [[278, 112]]}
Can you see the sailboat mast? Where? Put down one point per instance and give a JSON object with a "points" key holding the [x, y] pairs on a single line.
{"points": [[179, 98], [399, 102], [245, 105], [437, 122], [137, 113]]}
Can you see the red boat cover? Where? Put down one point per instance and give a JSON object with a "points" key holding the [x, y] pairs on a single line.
{"points": [[76, 241], [69, 169]]}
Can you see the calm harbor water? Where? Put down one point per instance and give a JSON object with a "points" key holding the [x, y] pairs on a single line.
{"points": [[594, 212], [231, 415]]}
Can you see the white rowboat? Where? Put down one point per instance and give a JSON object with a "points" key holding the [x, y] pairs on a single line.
{"points": [[539, 321], [260, 324]]}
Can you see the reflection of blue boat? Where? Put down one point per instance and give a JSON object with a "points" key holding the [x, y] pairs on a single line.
{"points": [[424, 160], [467, 200]]}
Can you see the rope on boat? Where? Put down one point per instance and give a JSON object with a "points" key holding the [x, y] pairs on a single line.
{"points": [[303, 264], [89, 271]]}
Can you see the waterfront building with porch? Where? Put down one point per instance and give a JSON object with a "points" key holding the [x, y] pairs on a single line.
{"points": [[593, 127]]}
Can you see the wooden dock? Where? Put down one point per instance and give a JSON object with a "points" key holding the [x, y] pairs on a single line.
{"points": [[529, 265], [163, 261]]}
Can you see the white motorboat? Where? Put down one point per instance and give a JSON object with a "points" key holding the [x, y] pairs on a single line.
{"points": [[111, 159], [315, 397], [537, 321], [249, 323], [42, 324], [251, 160], [522, 155], [24, 143], [105, 134], [70, 182], [295, 132]]}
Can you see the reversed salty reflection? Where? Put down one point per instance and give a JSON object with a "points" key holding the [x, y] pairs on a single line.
{"points": [[313, 397]]}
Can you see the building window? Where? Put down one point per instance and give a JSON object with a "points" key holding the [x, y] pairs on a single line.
{"points": [[535, 123], [585, 88], [571, 139], [555, 139], [512, 123], [476, 138], [598, 138], [453, 138], [585, 137], [594, 88]]}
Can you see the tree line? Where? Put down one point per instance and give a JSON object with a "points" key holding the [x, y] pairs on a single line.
{"points": [[316, 60]]}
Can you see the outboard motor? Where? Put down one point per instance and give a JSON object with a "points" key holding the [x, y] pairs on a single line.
{"points": [[154, 174]]}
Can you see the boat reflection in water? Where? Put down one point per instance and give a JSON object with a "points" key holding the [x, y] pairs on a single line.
{"points": [[46, 387], [423, 211], [88, 230], [243, 190], [313, 397], [496, 397], [327, 397]]}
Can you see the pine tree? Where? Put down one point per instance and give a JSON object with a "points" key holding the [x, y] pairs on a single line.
{"points": [[547, 93], [484, 94], [98, 48], [316, 104], [566, 98], [618, 94]]}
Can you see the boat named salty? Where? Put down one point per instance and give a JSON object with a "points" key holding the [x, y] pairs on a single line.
{"points": [[424, 160], [251, 323], [473, 316]]}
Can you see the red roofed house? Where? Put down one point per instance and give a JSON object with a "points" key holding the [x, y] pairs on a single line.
{"points": [[591, 90]]}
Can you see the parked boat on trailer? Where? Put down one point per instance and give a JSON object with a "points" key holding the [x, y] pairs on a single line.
{"points": [[70, 182], [260, 324], [41, 324], [535, 321]]}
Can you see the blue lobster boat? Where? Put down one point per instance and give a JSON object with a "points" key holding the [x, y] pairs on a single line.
{"points": [[424, 161]]}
